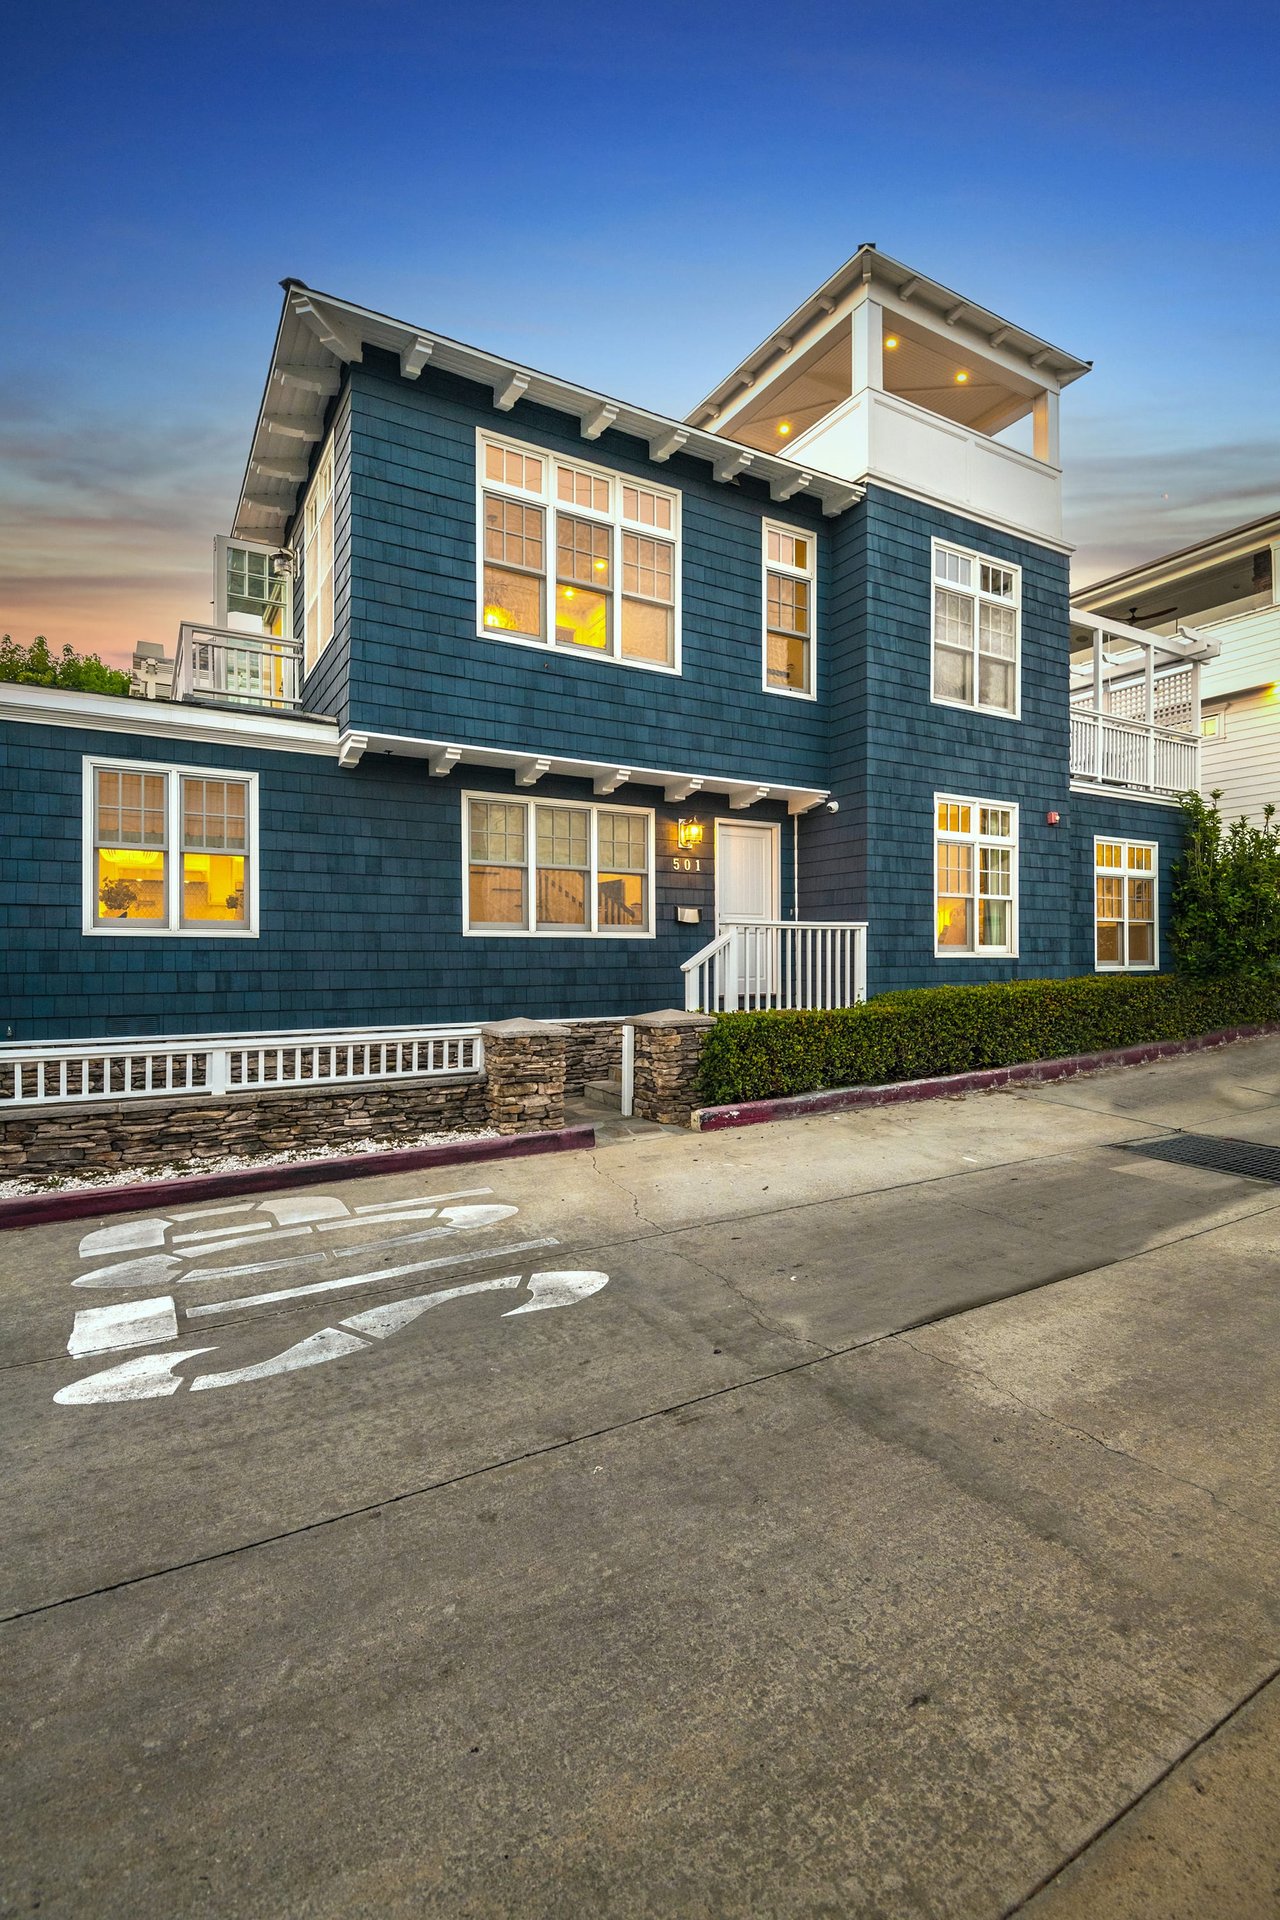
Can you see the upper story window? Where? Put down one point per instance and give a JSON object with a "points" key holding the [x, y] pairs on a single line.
{"points": [[789, 583], [317, 561], [976, 630], [577, 557], [168, 850], [556, 867], [1124, 904], [976, 860]]}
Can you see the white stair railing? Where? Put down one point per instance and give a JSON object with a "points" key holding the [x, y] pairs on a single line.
{"points": [[779, 964], [67, 1073]]}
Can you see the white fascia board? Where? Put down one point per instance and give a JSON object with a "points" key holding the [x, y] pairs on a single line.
{"points": [[297, 342], [166, 720], [1100, 792], [514, 759]]}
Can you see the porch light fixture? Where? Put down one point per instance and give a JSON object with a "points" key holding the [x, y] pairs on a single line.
{"points": [[688, 835]]}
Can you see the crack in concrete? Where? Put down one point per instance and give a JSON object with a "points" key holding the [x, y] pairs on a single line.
{"points": [[1084, 1433], [612, 1179]]}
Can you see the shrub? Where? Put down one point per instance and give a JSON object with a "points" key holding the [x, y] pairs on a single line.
{"points": [[939, 1030], [38, 666], [1226, 894]]}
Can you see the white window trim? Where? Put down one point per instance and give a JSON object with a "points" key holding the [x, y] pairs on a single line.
{"points": [[90, 765], [223, 543], [978, 559], [809, 573], [551, 505], [975, 839], [1126, 841], [327, 461], [531, 864]]}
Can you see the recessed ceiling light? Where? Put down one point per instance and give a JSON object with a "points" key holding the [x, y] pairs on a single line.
{"points": [[961, 377], [784, 427], [891, 339]]}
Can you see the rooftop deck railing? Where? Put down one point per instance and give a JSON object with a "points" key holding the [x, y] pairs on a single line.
{"points": [[244, 669]]}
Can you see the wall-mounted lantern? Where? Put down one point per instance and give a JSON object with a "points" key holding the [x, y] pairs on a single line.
{"points": [[689, 835]]}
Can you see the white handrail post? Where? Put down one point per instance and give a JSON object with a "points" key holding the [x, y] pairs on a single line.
{"points": [[215, 1074], [860, 964], [629, 1068]]}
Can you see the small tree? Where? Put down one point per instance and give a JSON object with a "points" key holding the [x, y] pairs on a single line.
{"points": [[1226, 894], [37, 666]]}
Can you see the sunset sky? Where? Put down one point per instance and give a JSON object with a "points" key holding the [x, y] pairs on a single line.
{"points": [[627, 196]]}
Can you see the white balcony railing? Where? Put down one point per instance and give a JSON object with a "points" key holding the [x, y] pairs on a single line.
{"points": [[1128, 753], [779, 963], [68, 1074], [247, 669]]}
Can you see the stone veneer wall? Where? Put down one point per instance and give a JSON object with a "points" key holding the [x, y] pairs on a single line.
{"points": [[114, 1134], [524, 1063], [593, 1051], [668, 1046]]}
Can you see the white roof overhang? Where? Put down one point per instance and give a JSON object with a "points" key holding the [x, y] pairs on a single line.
{"points": [[1168, 568], [319, 333], [530, 765], [915, 292]]}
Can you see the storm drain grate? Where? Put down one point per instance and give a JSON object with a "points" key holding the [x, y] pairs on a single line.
{"points": [[1245, 1157]]}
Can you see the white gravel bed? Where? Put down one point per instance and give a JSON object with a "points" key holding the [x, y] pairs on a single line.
{"points": [[229, 1163]]}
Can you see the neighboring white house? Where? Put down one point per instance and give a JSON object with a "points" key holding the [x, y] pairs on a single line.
{"points": [[1227, 587]]}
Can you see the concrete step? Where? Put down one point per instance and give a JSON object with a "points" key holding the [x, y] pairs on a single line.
{"points": [[604, 1093]]}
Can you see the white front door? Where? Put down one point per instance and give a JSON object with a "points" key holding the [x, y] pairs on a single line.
{"points": [[747, 890]]}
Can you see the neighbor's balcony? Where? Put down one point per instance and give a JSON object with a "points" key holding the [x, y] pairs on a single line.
{"points": [[1135, 706], [238, 669]]}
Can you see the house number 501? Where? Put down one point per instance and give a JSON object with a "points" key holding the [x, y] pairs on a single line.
{"points": [[682, 864]]}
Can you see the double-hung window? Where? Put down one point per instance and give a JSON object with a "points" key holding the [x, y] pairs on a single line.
{"points": [[555, 867], [1124, 905], [317, 561], [976, 630], [168, 850], [976, 864], [574, 556], [788, 610]]}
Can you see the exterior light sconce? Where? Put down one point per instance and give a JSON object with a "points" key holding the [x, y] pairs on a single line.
{"points": [[689, 835]]}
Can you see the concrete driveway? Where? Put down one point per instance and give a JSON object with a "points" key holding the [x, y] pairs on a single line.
{"points": [[867, 1515]]}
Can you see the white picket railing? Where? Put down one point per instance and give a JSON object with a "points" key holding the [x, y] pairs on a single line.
{"points": [[66, 1074], [1128, 753], [779, 963]]}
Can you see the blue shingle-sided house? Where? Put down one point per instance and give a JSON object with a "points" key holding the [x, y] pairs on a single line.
{"points": [[518, 699]]}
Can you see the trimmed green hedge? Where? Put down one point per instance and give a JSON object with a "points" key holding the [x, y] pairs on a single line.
{"points": [[938, 1030]]}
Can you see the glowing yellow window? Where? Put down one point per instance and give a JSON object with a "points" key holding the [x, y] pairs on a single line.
{"points": [[583, 577], [129, 846], [214, 851]]}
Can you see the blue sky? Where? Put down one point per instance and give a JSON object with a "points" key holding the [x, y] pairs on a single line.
{"points": [[630, 197]]}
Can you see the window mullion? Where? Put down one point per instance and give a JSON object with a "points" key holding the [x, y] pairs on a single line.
{"points": [[531, 861], [173, 849]]}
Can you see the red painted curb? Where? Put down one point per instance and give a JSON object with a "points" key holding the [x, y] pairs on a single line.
{"points": [[38, 1209], [751, 1113]]}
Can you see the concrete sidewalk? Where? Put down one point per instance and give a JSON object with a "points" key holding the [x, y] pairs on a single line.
{"points": [[891, 1522]]}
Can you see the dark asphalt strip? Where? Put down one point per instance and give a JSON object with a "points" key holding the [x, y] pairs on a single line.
{"points": [[952, 1312]]}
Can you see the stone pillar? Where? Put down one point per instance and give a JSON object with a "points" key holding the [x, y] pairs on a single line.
{"points": [[668, 1047], [524, 1075]]}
